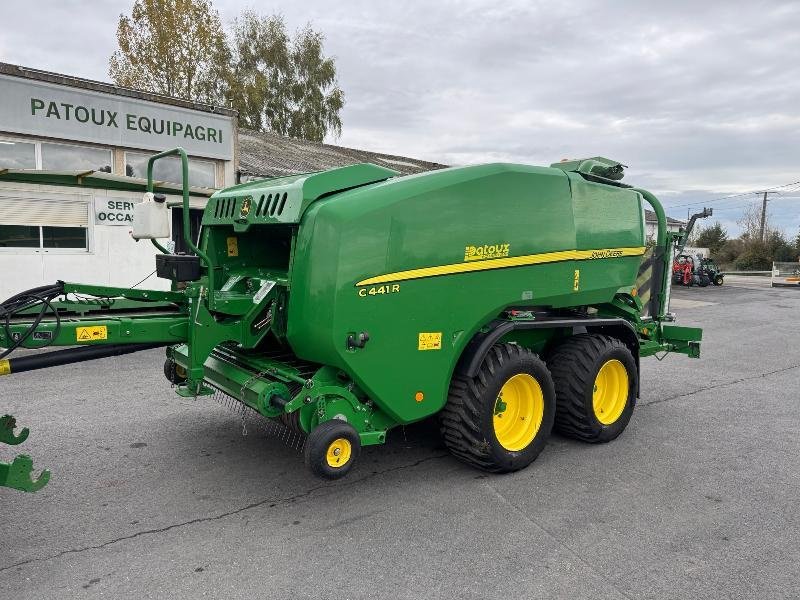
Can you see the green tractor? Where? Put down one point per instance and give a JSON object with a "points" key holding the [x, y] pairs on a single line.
{"points": [[348, 302], [712, 270]]}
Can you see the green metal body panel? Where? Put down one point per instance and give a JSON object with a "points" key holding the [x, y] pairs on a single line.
{"points": [[431, 220], [285, 199]]}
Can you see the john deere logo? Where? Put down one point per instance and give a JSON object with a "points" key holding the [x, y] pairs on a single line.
{"points": [[245, 208], [486, 251], [605, 254]]}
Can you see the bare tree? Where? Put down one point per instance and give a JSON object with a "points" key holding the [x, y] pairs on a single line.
{"points": [[750, 222]]}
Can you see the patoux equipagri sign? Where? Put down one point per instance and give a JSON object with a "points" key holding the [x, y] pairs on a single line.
{"points": [[40, 108]]}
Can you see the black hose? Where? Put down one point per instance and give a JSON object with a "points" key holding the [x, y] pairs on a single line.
{"points": [[43, 295], [74, 355]]}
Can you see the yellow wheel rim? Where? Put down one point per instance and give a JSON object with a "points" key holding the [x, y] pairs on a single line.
{"points": [[610, 394], [518, 412], [338, 453]]}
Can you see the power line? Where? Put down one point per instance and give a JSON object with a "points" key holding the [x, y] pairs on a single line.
{"points": [[751, 202], [760, 191]]}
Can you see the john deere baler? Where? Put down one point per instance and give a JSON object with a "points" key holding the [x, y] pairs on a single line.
{"points": [[504, 298]]}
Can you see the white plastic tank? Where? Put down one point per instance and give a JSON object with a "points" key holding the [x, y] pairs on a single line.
{"points": [[151, 218]]}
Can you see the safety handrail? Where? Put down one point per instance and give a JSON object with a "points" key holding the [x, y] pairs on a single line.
{"points": [[186, 221], [666, 246]]}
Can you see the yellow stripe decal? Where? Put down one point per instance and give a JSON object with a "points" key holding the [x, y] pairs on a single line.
{"points": [[5, 367], [503, 263]]}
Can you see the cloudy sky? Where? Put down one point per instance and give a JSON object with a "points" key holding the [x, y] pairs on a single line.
{"points": [[701, 99]]}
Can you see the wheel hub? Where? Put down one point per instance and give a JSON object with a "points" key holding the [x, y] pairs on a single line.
{"points": [[610, 392], [518, 412], [339, 452]]}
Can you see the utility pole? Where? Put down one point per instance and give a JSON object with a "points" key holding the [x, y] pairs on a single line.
{"points": [[763, 215]]}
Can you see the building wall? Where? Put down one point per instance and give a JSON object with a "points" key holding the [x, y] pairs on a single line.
{"points": [[56, 122], [113, 257], [651, 228]]}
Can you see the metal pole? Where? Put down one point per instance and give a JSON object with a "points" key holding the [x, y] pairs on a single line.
{"points": [[762, 230]]}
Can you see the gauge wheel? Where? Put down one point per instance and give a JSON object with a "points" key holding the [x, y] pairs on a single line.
{"points": [[332, 449], [174, 372]]}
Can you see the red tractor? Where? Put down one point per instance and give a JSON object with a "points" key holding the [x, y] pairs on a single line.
{"points": [[686, 272]]}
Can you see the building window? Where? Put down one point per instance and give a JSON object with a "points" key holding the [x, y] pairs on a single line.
{"points": [[19, 236], [44, 224], [64, 237], [17, 155], [65, 157], [202, 173]]}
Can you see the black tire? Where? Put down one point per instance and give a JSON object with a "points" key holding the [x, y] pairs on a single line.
{"points": [[330, 436], [703, 280], [467, 420], [575, 365], [174, 373], [718, 280]]}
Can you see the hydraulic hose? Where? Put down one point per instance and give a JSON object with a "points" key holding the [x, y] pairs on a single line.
{"points": [[43, 295]]}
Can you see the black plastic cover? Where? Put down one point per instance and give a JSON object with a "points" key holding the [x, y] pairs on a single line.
{"points": [[178, 267]]}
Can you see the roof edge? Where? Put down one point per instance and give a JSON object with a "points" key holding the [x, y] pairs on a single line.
{"points": [[109, 88]]}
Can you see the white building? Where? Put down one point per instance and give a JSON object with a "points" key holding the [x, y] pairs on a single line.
{"points": [[651, 225], [72, 157]]}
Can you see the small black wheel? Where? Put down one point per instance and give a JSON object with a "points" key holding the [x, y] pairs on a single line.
{"points": [[595, 378], [718, 280], [703, 280], [174, 373], [332, 449], [500, 420]]}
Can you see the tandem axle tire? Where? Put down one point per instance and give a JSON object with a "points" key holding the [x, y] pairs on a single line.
{"points": [[332, 449], [500, 420], [595, 379]]}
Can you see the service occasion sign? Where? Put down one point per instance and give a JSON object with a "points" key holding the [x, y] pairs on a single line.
{"points": [[113, 211], [42, 108]]}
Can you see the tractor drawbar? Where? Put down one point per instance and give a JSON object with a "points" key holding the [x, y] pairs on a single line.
{"points": [[66, 357]]}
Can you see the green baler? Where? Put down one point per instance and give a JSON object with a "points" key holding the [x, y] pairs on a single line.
{"points": [[347, 302]]}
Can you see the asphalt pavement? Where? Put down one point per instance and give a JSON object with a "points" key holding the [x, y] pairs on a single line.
{"points": [[156, 496]]}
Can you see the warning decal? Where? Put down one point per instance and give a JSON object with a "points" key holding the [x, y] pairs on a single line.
{"points": [[233, 246], [90, 334], [430, 341]]}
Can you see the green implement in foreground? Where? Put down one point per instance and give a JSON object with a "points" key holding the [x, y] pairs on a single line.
{"points": [[504, 298], [17, 473]]}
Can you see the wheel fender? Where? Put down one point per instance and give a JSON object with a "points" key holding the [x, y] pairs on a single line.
{"points": [[475, 351]]}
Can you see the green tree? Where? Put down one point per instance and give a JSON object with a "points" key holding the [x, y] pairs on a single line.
{"points": [[713, 238], [172, 47], [779, 248], [797, 244], [281, 84], [755, 257]]}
